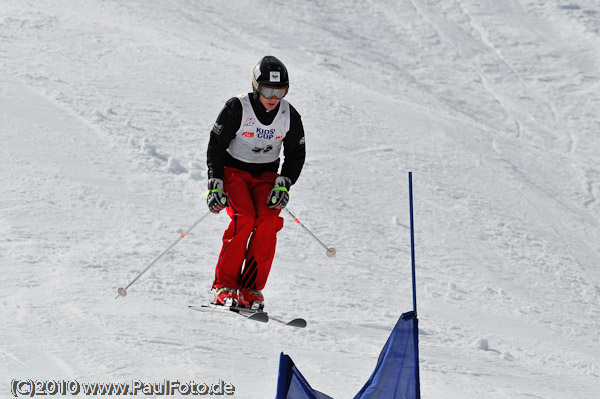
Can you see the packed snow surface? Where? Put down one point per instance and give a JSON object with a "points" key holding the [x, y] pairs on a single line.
{"points": [[105, 113]]}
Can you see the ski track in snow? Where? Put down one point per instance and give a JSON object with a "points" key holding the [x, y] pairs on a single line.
{"points": [[105, 109]]}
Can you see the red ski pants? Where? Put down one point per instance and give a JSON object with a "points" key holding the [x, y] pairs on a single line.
{"points": [[251, 237]]}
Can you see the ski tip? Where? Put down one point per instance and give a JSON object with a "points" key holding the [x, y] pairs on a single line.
{"points": [[300, 323], [259, 316]]}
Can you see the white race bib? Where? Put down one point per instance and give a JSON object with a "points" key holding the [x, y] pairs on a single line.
{"points": [[258, 143]]}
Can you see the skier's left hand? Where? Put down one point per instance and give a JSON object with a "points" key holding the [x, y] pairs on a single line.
{"points": [[279, 196]]}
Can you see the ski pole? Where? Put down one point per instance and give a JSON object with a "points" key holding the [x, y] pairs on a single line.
{"points": [[123, 291], [330, 251]]}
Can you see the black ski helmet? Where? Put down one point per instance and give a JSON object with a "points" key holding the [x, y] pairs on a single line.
{"points": [[269, 72]]}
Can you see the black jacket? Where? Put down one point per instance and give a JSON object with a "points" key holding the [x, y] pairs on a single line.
{"points": [[227, 124]]}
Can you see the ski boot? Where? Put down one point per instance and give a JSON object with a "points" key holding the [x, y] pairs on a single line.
{"points": [[226, 296], [251, 299]]}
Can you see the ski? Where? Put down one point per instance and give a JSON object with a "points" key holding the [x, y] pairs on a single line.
{"points": [[244, 312], [297, 322], [251, 314]]}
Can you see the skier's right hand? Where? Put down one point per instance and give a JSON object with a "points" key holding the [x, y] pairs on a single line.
{"points": [[216, 199]]}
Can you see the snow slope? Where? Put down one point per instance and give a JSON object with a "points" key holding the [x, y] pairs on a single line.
{"points": [[105, 110]]}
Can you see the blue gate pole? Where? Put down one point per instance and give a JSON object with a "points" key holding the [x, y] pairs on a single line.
{"points": [[412, 242], [414, 288]]}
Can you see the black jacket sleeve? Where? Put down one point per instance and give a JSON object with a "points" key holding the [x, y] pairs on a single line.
{"points": [[227, 124], [294, 150]]}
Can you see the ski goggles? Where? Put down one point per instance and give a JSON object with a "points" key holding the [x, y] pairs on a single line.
{"points": [[273, 92]]}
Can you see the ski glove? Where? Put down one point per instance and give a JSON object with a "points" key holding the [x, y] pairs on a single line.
{"points": [[216, 199], [279, 196]]}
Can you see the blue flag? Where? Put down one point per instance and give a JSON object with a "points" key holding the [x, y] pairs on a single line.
{"points": [[396, 375], [291, 384]]}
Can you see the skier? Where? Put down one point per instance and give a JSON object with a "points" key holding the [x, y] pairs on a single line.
{"points": [[243, 162]]}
